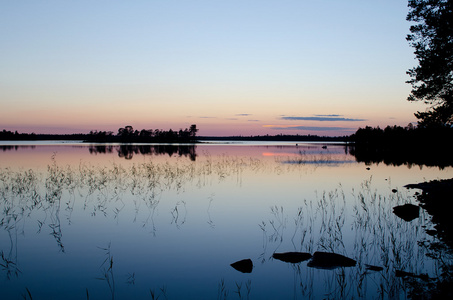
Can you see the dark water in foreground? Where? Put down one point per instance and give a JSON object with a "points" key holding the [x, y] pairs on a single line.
{"points": [[114, 222]]}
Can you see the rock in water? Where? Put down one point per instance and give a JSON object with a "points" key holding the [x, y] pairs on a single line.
{"points": [[399, 273], [292, 257], [374, 268], [326, 260], [407, 212], [244, 266]]}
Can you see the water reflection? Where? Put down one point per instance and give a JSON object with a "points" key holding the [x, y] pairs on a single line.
{"points": [[146, 229], [292, 257], [423, 155], [287, 154], [128, 151], [385, 247], [5, 148]]}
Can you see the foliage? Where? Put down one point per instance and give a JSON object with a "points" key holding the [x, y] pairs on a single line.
{"points": [[125, 134], [128, 134], [395, 136], [396, 145], [432, 79]]}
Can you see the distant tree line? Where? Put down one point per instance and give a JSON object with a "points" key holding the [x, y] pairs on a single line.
{"points": [[6, 135], [278, 138], [128, 134], [9, 135], [125, 134]]}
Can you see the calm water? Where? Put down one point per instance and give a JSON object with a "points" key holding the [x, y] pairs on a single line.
{"points": [[119, 222]]}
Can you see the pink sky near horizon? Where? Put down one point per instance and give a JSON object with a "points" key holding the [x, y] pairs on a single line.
{"points": [[255, 68]]}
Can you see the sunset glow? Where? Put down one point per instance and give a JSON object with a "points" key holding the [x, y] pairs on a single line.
{"points": [[231, 67]]}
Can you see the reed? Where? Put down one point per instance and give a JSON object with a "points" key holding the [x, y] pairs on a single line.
{"points": [[9, 266], [324, 222], [239, 290], [107, 270], [380, 239], [27, 295], [162, 292], [222, 292]]}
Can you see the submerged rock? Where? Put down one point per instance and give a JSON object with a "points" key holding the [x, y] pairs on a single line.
{"points": [[326, 260], [400, 273], [244, 266], [407, 212], [435, 197], [374, 268], [292, 257]]}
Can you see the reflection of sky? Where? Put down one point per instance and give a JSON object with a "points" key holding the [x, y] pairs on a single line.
{"points": [[186, 236], [318, 162]]}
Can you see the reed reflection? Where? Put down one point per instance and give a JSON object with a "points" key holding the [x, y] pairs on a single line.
{"points": [[388, 250], [101, 190], [335, 227]]}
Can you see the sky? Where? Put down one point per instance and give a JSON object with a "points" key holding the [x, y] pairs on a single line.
{"points": [[231, 67]]}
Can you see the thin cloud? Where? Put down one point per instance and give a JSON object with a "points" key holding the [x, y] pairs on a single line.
{"points": [[333, 115], [322, 118], [243, 115]]}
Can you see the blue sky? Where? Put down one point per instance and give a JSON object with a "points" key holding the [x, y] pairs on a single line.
{"points": [[231, 67]]}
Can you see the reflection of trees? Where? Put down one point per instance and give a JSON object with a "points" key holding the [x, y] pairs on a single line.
{"points": [[128, 151], [420, 155], [100, 149], [15, 147], [432, 199]]}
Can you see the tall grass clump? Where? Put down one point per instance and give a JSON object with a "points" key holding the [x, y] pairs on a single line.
{"points": [[360, 225]]}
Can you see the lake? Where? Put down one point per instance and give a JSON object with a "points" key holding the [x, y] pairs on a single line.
{"points": [[81, 221]]}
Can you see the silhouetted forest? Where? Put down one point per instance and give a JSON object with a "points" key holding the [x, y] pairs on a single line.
{"points": [[392, 136], [125, 134], [397, 145], [392, 145]]}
